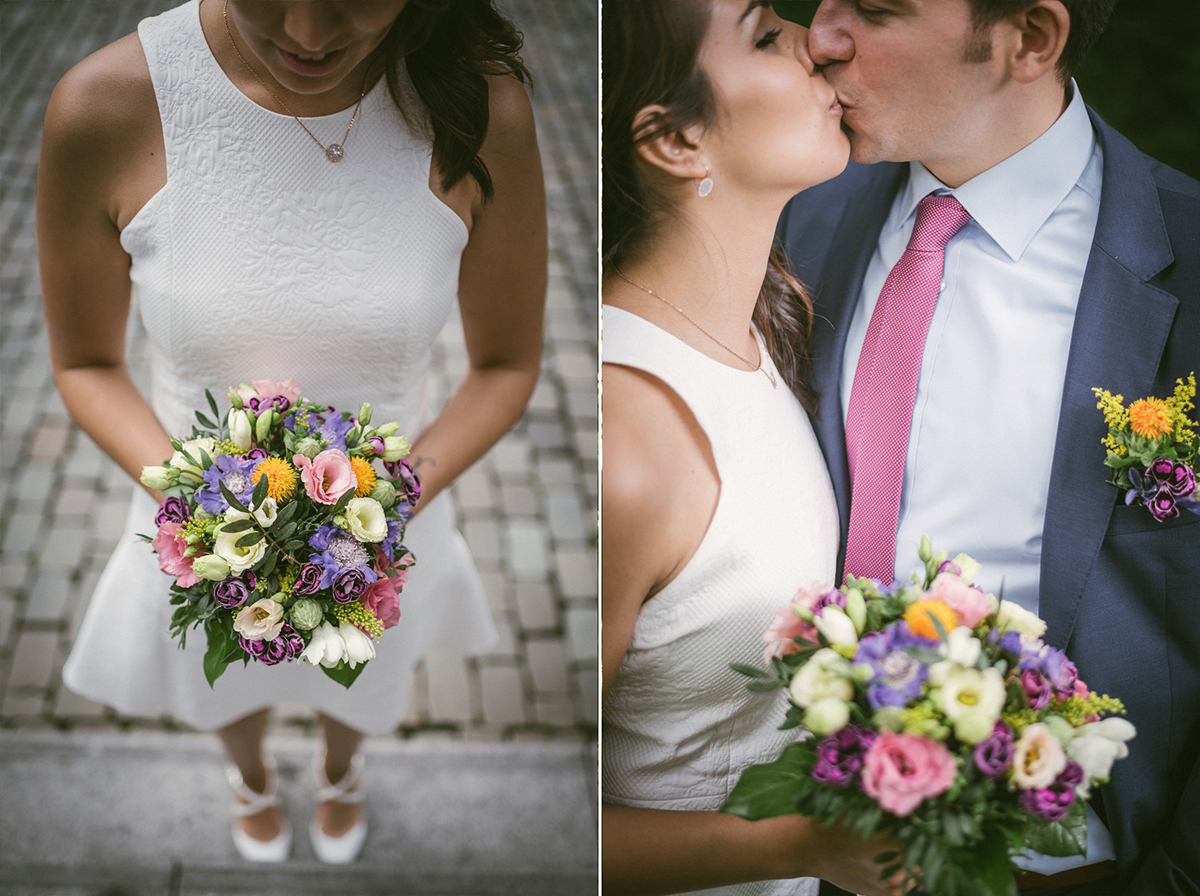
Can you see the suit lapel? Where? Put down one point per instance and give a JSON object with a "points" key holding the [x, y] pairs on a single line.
{"points": [[836, 297], [1121, 329]]}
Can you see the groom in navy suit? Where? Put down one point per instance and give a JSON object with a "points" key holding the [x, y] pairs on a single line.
{"points": [[1078, 268]]}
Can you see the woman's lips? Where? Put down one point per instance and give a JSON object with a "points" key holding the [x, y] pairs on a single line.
{"points": [[312, 68]]}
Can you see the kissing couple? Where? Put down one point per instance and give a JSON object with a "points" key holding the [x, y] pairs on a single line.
{"points": [[809, 365]]}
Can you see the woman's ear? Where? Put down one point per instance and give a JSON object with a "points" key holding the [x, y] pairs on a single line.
{"points": [[1040, 34], [676, 152]]}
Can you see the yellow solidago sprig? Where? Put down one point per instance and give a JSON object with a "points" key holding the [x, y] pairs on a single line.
{"points": [[358, 615], [1076, 710]]}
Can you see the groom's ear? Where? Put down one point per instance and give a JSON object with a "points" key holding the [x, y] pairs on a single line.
{"points": [[674, 152], [1035, 40]]}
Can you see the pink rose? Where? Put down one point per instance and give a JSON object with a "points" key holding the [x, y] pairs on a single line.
{"points": [[170, 545], [266, 388], [327, 476], [382, 595], [969, 603], [902, 770], [787, 626]]}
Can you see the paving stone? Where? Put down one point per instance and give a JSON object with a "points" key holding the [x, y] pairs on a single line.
{"points": [[63, 547], [49, 596], [588, 687], [583, 628], [17, 705], [68, 704], [474, 491], [518, 500], [544, 398], [503, 697], [483, 537], [49, 441], [554, 710], [577, 572], [565, 513], [8, 615], [35, 483], [74, 502], [527, 552], [511, 455], [556, 470], [33, 660], [547, 435], [22, 533], [535, 606], [547, 661], [449, 694]]}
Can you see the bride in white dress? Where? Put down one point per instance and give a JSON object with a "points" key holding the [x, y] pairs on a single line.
{"points": [[329, 250], [717, 503]]}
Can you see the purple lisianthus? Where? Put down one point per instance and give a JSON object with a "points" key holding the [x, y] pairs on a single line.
{"points": [[232, 591], [951, 567], [255, 454], [1054, 802], [1037, 688], [349, 585], [1162, 505], [1172, 476], [309, 581], [235, 472], [337, 551], [377, 444], [898, 673], [840, 755], [269, 653], [278, 402], [172, 510], [292, 641], [993, 754], [1010, 642]]}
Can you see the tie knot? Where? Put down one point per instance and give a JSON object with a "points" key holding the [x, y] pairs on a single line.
{"points": [[938, 219]]}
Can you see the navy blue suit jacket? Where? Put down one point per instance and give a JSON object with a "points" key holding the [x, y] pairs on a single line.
{"points": [[1118, 590]]}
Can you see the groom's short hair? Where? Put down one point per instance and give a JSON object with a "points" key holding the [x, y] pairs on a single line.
{"points": [[1088, 18]]}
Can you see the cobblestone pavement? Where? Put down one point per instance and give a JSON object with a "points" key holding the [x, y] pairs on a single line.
{"points": [[528, 509]]}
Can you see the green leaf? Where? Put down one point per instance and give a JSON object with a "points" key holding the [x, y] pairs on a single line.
{"points": [[231, 497], [890, 856], [286, 512], [770, 790], [1062, 838], [250, 538], [343, 674], [763, 687], [238, 526], [751, 671], [283, 532], [342, 502], [268, 566], [990, 860], [223, 647], [260, 491], [212, 403]]}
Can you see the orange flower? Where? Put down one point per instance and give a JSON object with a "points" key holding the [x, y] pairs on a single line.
{"points": [[364, 474], [1149, 417], [920, 615], [281, 477]]}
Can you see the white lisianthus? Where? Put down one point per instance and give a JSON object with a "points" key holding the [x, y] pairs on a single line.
{"points": [[239, 559], [970, 568], [1038, 758], [325, 647], [961, 647], [826, 716], [1097, 746], [193, 447], [359, 647], [824, 675], [1016, 618], [838, 629], [388, 429], [264, 514], [394, 448], [972, 700], [261, 621], [210, 567], [159, 477], [365, 519], [241, 433]]}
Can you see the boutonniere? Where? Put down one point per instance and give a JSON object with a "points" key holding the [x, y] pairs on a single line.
{"points": [[1152, 449]]}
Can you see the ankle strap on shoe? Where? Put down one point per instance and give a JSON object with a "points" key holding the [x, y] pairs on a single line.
{"points": [[341, 791], [254, 802]]}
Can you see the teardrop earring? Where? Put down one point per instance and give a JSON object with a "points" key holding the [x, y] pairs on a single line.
{"points": [[705, 186]]}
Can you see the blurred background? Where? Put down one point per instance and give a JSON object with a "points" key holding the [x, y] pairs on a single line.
{"points": [[488, 784]]}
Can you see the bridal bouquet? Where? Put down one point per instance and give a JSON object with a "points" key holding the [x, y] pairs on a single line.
{"points": [[1153, 449], [283, 538], [938, 712]]}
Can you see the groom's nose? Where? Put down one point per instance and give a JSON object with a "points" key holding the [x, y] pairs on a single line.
{"points": [[828, 39]]}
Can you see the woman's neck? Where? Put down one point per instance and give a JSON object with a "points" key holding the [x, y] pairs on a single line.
{"points": [[708, 262]]}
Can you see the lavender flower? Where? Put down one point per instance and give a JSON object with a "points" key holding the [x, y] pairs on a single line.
{"points": [[172, 510], [993, 755], [840, 755]]}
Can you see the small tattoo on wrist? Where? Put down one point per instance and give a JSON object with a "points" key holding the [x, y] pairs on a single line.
{"points": [[418, 462]]}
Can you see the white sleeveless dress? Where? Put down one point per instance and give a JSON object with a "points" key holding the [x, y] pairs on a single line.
{"points": [[261, 259], [679, 725]]}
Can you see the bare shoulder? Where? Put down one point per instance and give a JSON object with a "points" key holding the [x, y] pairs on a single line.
{"points": [[510, 115], [107, 94]]}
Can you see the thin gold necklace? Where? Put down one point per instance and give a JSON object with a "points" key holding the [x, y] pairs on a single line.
{"points": [[334, 151], [754, 368]]}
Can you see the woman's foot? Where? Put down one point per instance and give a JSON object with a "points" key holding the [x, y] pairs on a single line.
{"points": [[264, 825], [335, 817], [260, 832], [339, 826]]}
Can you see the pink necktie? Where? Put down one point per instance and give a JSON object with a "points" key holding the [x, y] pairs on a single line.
{"points": [[885, 385]]}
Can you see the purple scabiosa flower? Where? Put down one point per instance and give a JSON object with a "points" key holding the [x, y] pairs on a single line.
{"points": [[333, 431], [898, 673], [1054, 802], [309, 581], [232, 592], [840, 755], [349, 585], [235, 473], [1037, 688], [339, 550], [993, 754], [172, 510]]}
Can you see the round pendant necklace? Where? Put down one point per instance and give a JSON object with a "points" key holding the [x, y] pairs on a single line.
{"points": [[334, 151], [754, 368]]}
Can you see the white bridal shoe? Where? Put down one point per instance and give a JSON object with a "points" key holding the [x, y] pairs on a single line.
{"points": [[248, 848], [344, 849]]}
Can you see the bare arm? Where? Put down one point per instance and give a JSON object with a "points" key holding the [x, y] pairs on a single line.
{"points": [[101, 159], [501, 294]]}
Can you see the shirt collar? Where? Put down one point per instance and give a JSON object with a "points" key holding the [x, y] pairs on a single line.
{"points": [[1012, 199]]}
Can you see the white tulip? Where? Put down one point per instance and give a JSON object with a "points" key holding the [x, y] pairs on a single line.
{"points": [[824, 675], [193, 447], [836, 626], [240, 431], [1017, 618], [359, 647], [325, 648], [1097, 746]]}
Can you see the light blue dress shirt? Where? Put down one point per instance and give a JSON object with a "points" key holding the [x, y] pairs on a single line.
{"points": [[977, 473]]}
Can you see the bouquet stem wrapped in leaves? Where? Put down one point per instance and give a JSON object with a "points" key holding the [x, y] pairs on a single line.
{"points": [[936, 711], [284, 539]]}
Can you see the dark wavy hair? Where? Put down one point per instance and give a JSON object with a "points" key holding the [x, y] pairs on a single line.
{"points": [[1088, 18], [450, 47], [650, 57]]}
